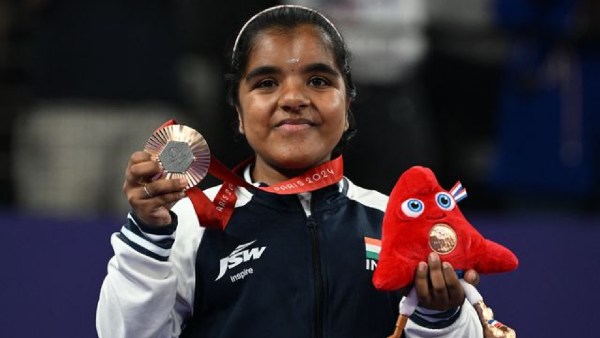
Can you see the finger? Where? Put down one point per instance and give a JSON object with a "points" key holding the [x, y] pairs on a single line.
{"points": [[471, 277], [455, 292], [141, 168], [422, 283], [163, 200], [143, 171], [438, 283], [136, 158], [139, 156], [154, 210], [147, 191], [161, 188]]}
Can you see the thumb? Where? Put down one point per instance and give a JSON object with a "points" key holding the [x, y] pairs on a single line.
{"points": [[471, 277]]}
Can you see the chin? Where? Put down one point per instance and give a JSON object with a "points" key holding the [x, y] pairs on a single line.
{"points": [[299, 162]]}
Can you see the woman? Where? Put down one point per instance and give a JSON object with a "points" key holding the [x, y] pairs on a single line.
{"points": [[285, 265]]}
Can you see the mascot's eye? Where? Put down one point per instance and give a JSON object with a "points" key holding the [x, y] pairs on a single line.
{"points": [[445, 201], [412, 207]]}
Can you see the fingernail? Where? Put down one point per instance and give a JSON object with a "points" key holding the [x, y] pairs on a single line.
{"points": [[470, 276], [433, 257], [447, 265], [182, 182], [422, 266]]}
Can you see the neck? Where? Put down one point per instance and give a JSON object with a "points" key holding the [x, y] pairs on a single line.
{"points": [[270, 174]]}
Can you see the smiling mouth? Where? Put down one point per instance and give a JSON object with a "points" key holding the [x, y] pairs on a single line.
{"points": [[295, 122], [292, 125], [286, 127]]}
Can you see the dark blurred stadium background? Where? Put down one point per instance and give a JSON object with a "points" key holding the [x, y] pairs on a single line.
{"points": [[500, 94]]}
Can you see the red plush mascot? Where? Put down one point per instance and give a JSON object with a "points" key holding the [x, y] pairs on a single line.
{"points": [[421, 217]]}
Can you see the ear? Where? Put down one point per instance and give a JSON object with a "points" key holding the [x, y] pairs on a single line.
{"points": [[240, 120], [347, 122], [347, 118]]}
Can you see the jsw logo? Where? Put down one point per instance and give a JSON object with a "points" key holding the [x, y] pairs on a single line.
{"points": [[238, 256]]}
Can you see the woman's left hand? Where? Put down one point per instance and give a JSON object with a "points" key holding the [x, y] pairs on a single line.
{"points": [[437, 284]]}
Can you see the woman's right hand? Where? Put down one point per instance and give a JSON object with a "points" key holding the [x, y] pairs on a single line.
{"points": [[150, 199]]}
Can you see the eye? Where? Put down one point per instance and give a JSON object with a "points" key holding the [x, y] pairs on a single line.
{"points": [[266, 83], [318, 81], [445, 201], [412, 207]]}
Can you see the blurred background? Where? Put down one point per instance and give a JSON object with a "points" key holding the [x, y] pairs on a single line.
{"points": [[499, 94]]}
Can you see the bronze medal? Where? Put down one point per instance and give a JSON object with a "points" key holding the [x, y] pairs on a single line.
{"points": [[182, 153], [442, 239]]}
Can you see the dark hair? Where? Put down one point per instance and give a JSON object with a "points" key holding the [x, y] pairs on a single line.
{"points": [[288, 17]]}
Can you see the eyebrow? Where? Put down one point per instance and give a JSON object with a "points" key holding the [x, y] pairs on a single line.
{"points": [[262, 71], [313, 67], [321, 68]]}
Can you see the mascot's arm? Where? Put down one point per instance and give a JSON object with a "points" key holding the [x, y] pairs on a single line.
{"points": [[496, 258]]}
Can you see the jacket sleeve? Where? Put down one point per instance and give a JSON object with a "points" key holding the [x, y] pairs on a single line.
{"points": [[149, 288], [464, 323]]}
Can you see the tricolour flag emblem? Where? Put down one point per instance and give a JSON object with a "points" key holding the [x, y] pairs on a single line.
{"points": [[372, 248]]}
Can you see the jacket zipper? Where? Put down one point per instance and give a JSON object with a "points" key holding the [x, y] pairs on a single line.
{"points": [[319, 290]]}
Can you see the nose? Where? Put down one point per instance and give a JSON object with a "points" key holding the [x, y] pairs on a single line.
{"points": [[293, 97]]}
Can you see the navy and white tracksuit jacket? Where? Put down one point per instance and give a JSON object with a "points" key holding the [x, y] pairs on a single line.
{"points": [[292, 266]]}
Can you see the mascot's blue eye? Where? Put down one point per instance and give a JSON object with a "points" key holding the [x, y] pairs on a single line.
{"points": [[445, 201], [412, 207]]}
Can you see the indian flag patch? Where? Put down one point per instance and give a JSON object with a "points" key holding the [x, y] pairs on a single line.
{"points": [[372, 247]]}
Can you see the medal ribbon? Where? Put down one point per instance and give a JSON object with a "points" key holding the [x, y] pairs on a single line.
{"points": [[216, 214]]}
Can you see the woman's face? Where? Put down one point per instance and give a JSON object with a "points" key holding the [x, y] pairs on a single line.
{"points": [[292, 101]]}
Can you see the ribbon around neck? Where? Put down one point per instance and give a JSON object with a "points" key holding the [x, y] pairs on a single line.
{"points": [[216, 214]]}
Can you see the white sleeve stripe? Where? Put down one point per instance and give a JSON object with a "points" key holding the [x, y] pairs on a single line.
{"points": [[145, 243], [157, 238], [153, 237], [370, 198]]}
